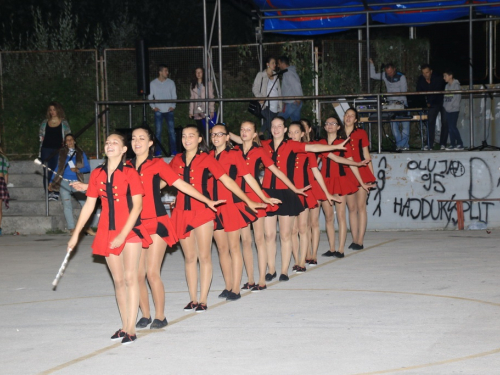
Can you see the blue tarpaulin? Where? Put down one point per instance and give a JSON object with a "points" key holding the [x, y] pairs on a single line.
{"points": [[328, 14]]}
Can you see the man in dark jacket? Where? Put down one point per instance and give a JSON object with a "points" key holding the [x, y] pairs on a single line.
{"points": [[430, 81]]}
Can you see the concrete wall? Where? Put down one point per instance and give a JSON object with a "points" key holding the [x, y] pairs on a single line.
{"points": [[409, 185]]}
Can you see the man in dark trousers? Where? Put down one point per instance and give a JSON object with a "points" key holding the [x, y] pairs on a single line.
{"points": [[430, 81]]}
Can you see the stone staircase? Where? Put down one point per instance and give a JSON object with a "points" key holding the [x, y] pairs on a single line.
{"points": [[27, 212]]}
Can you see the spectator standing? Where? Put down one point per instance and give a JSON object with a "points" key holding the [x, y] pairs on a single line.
{"points": [[430, 81], [197, 110], [451, 105], [52, 132], [290, 86], [266, 85], [163, 88], [395, 82]]}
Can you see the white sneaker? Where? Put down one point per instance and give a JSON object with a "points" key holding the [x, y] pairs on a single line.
{"points": [[459, 147], [426, 148], [450, 148], [443, 147], [405, 149]]}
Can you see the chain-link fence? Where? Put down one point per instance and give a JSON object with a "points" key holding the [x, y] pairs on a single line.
{"points": [[29, 81]]}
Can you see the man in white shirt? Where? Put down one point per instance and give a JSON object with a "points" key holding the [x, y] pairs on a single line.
{"points": [[163, 88]]}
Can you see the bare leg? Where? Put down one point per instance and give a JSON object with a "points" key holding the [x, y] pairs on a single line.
{"points": [[126, 267], [361, 197], [154, 259], [315, 233], [286, 225], [329, 224], [191, 264], [342, 222], [236, 259], [143, 288], [224, 257], [295, 240], [270, 236], [246, 242], [303, 225], [260, 244], [353, 216], [204, 236]]}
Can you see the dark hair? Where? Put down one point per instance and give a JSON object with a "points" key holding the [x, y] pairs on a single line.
{"points": [[194, 82], [228, 143], [284, 59], [341, 131], [59, 110], [267, 61], [202, 146], [425, 66], [449, 72], [150, 134], [124, 141], [311, 134], [390, 65], [305, 137], [162, 66]]}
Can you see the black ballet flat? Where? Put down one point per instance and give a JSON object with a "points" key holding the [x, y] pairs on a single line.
{"points": [[269, 277]]}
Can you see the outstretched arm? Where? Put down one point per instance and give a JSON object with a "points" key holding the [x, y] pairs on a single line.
{"points": [[273, 168], [235, 138], [321, 182], [252, 182], [233, 186], [364, 186], [366, 154], [85, 213], [326, 148], [349, 161], [191, 191]]}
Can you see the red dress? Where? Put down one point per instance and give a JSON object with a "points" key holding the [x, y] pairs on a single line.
{"points": [[234, 214], [254, 158], [358, 140], [190, 213], [339, 178], [282, 157], [116, 200], [301, 175], [154, 216]]}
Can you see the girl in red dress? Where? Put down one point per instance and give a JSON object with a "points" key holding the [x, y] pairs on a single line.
{"points": [[303, 172], [255, 157], [234, 214], [192, 219], [356, 203], [120, 236], [156, 174], [282, 152], [342, 177]]}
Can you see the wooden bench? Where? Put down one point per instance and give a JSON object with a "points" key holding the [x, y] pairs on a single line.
{"points": [[460, 207]]}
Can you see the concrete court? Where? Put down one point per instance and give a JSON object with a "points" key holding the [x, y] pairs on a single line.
{"points": [[410, 303]]}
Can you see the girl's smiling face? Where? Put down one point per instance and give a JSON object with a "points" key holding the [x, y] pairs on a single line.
{"points": [[219, 136], [247, 132], [141, 142], [190, 138], [331, 125], [278, 128], [114, 146]]}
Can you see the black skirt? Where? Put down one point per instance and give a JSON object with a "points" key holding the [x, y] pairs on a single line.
{"points": [[290, 202]]}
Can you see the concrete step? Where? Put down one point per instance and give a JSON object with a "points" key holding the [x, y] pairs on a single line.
{"points": [[32, 208], [25, 180], [31, 224], [25, 166], [27, 193]]}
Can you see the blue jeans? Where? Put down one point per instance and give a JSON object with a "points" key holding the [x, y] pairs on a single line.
{"points": [[455, 138], [403, 136], [169, 118], [292, 111], [65, 192]]}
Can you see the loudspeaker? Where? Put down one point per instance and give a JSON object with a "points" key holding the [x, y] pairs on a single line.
{"points": [[142, 63]]}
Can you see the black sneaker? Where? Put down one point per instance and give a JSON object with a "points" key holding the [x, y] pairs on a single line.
{"points": [[269, 277], [157, 324], [248, 286], [339, 255], [351, 246], [191, 306], [233, 296], [358, 247], [129, 339], [143, 322], [284, 277], [118, 335], [202, 307], [224, 293], [313, 263], [299, 270], [258, 288], [328, 254]]}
